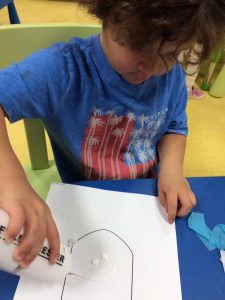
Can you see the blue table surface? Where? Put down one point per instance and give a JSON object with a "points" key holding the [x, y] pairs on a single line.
{"points": [[201, 272]]}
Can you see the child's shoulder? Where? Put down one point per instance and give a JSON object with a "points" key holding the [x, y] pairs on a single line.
{"points": [[73, 44], [174, 80], [176, 74], [66, 52]]}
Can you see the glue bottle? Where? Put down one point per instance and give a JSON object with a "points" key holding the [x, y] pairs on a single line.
{"points": [[40, 268]]}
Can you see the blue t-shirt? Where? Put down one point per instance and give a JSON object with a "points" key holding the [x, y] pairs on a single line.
{"points": [[100, 126]]}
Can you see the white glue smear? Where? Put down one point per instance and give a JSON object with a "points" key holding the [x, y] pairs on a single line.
{"points": [[97, 268], [97, 255]]}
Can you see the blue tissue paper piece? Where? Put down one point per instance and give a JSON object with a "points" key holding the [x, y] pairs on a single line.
{"points": [[207, 243], [212, 239], [196, 222], [218, 236]]}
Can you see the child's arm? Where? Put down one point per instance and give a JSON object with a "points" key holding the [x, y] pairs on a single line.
{"points": [[25, 208], [174, 191]]}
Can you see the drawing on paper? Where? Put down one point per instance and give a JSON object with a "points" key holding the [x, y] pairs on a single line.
{"points": [[101, 262]]}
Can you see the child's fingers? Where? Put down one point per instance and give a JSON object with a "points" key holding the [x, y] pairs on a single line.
{"points": [[16, 222], [162, 199], [53, 239], [185, 208], [187, 202], [193, 199], [172, 206], [32, 241]]}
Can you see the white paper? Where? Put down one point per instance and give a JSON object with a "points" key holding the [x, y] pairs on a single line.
{"points": [[222, 259], [125, 248]]}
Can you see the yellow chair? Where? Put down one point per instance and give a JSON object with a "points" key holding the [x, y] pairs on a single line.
{"points": [[17, 42]]}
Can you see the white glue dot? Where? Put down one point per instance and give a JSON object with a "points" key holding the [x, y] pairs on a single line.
{"points": [[105, 257], [95, 262]]}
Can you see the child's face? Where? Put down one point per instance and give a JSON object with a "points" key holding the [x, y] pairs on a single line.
{"points": [[136, 66]]}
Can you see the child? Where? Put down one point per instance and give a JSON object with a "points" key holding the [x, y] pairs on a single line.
{"points": [[112, 104]]}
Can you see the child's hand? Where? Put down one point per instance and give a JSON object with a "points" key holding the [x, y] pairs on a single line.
{"points": [[175, 195], [28, 211]]}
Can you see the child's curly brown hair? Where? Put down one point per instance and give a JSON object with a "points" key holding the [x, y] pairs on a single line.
{"points": [[139, 23]]}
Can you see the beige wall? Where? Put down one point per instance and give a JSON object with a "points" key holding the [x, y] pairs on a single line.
{"points": [[35, 11]]}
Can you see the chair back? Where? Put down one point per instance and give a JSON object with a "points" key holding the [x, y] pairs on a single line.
{"points": [[19, 41], [13, 16]]}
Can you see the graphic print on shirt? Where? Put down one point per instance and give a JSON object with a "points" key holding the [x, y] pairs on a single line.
{"points": [[120, 146]]}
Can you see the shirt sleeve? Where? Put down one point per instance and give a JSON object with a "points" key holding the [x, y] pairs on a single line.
{"points": [[34, 87], [178, 121]]}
